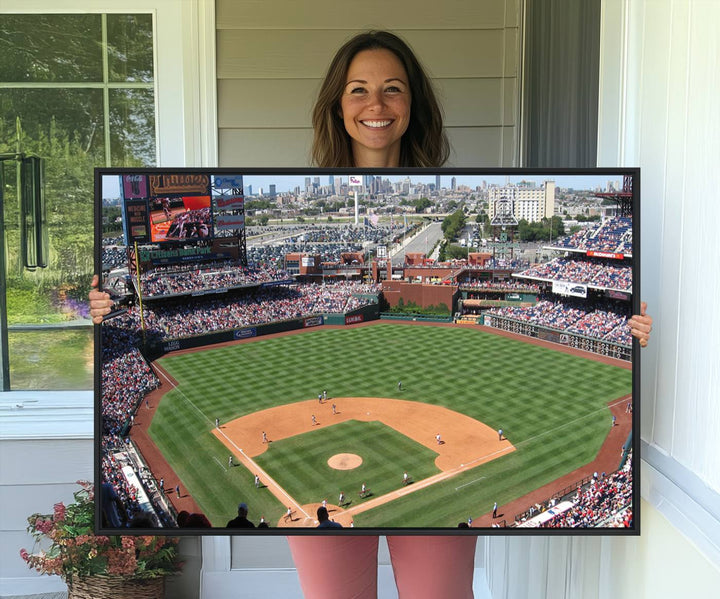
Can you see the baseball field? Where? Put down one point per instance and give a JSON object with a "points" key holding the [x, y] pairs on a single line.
{"points": [[460, 383]]}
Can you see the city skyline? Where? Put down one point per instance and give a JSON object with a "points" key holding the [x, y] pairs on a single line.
{"points": [[289, 183]]}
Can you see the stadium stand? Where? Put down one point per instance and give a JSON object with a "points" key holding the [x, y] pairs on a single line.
{"points": [[592, 272], [603, 500], [613, 235]]}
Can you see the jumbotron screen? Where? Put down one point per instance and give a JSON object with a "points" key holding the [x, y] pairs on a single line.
{"points": [[307, 351]]}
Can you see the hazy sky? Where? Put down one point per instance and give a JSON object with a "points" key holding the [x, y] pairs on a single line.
{"points": [[289, 182]]}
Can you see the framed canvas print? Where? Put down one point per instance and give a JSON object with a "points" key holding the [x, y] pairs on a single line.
{"points": [[308, 351]]}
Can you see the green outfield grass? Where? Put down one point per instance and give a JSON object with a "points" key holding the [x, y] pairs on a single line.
{"points": [[551, 405]]}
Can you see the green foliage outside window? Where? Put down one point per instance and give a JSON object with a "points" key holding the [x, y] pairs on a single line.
{"points": [[78, 103]]}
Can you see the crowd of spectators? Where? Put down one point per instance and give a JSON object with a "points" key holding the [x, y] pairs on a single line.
{"points": [[112, 473], [513, 285], [126, 378], [606, 499], [607, 321], [126, 375], [545, 313], [179, 279], [614, 235], [603, 324], [592, 272], [116, 454], [177, 320]]}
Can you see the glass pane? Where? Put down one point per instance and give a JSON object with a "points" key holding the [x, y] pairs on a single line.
{"points": [[65, 127], [37, 48], [52, 359], [130, 48], [132, 127], [49, 117]]}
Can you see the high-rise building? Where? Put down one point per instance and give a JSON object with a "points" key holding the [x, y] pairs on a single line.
{"points": [[437, 182], [453, 183], [528, 201], [272, 190]]}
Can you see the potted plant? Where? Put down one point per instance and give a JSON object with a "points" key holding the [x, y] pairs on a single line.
{"points": [[95, 566]]}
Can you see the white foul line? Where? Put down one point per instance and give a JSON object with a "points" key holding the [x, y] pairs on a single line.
{"points": [[470, 483], [245, 457]]}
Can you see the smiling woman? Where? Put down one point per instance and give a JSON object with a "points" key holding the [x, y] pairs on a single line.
{"points": [[377, 107]]}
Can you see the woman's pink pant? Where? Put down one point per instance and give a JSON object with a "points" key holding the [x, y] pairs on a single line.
{"points": [[345, 567]]}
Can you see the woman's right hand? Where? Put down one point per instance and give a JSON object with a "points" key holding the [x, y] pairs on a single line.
{"points": [[641, 325], [100, 302]]}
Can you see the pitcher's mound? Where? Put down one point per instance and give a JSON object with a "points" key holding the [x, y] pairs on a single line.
{"points": [[344, 461]]}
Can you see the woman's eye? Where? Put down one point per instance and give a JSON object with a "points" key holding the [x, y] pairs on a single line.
{"points": [[357, 90], [393, 89]]}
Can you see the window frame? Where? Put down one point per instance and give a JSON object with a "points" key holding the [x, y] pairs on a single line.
{"points": [[185, 100]]}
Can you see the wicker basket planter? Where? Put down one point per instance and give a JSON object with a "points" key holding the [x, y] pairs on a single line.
{"points": [[116, 587]]}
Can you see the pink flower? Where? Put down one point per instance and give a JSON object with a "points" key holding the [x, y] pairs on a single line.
{"points": [[43, 526], [121, 562], [25, 555], [59, 512], [128, 543]]}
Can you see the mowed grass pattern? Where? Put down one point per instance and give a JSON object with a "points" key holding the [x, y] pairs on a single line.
{"points": [[299, 464], [551, 405]]}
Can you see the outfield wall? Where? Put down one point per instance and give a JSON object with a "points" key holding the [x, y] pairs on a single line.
{"points": [[362, 314], [596, 346]]}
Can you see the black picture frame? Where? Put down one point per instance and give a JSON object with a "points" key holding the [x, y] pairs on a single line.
{"points": [[137, 187]]}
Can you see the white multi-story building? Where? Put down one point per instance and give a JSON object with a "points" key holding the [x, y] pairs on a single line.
{"points": [[528, 201]]}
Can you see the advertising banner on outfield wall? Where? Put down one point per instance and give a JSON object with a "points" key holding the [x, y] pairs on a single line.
{"points": [[246, 333], [314, 321]]}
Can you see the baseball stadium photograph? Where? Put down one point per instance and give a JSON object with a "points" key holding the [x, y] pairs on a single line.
{"points": [[403, 350]]}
